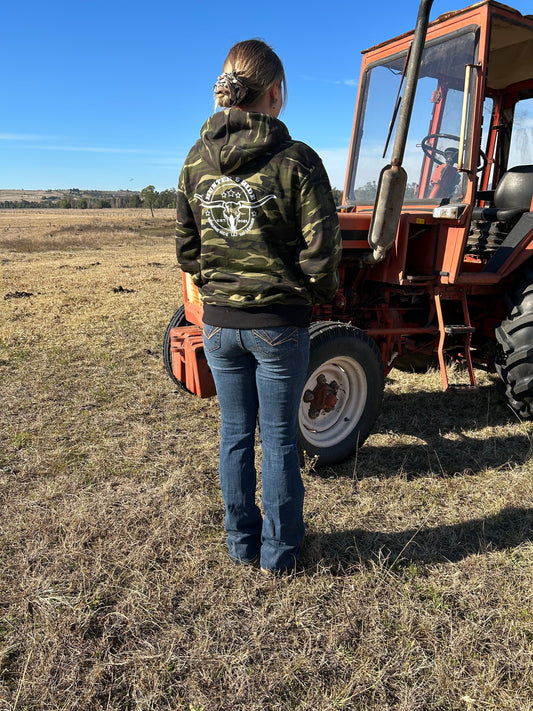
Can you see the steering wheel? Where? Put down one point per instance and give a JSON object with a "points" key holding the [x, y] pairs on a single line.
{"points": [[433, 152]]}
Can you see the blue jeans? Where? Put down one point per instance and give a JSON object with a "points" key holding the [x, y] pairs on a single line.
{"points": [[260, 371]]}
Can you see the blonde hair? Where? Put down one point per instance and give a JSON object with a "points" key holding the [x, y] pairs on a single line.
{"points": [[255, 68]]}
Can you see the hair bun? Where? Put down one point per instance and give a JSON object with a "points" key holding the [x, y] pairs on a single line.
{"points": [[231, 87]]}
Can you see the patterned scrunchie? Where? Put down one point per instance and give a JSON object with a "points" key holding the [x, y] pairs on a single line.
{"points": [[229, 83]]}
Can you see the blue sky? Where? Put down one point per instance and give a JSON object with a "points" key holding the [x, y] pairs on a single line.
{"points": [[108, 94]]}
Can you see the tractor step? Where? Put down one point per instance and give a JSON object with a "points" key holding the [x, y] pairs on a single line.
{"points": [[464, 330], [462, 386], [458, 330]]}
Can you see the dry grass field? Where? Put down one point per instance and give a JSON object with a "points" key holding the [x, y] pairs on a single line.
{"points": [[416, 586]]}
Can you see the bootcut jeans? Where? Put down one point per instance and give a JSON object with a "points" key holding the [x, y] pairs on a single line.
{"points": [[260, 371]]}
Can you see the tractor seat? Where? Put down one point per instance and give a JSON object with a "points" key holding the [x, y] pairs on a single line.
{"points": [[511, 198]]}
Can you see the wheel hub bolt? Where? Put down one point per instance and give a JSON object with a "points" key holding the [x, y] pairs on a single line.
{"points": [[322, 398]]}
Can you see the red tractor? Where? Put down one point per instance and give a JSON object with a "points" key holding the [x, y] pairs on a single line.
{"points": [[438, 248]]}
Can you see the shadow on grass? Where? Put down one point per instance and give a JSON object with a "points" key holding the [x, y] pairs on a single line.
{"points": [[443, 433], [447, 543]]}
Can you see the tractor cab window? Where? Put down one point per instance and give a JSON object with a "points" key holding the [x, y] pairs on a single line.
{"points": [[521, 146], [431, 151]]}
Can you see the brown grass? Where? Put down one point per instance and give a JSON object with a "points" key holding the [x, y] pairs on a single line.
{"points": [[53, 230], [115, 588]]}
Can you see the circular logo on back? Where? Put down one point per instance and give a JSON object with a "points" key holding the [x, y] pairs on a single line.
{"points": [[231, 206]]}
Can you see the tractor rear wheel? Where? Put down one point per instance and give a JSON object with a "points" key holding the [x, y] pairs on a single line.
{"points": [[343, 392], [177, 320], [514, 361]]}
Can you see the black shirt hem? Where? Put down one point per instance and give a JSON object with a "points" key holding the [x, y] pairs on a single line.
{"points": [[258, 317]]}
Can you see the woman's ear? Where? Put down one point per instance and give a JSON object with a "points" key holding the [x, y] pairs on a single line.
{"points": [[276, 97]]}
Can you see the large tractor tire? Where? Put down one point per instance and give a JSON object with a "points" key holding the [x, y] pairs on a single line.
{"points": [[177, 320], [514, 361], [343, 392]]}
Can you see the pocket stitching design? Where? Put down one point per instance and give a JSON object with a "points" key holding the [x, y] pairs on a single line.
{"points": [[286, 336], [216, 329]]}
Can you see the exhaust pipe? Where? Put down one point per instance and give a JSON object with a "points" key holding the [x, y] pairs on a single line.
{"points": [[393, 178]]}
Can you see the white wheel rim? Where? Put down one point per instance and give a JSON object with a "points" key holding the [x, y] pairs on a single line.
{"points": [[330, 428]]}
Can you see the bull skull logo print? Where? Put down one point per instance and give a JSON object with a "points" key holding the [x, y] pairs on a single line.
{"points": [[231, 206]]}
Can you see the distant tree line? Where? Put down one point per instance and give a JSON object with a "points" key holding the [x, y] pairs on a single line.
{"points": [[97, 199], [368, 191], [148, 197], [337, 195]]}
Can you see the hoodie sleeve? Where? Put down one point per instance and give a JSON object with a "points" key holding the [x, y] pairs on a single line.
{"points": [[188, 244], [319, 223]]}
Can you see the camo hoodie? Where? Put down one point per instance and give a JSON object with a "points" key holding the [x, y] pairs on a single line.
{"points": [[256, 223]]}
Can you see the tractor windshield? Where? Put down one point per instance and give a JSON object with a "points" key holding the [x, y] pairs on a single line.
{"points": [[431, 152]]}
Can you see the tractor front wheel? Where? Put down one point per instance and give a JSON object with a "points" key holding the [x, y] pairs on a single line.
{"points": [[514, 361], [343, 392]]}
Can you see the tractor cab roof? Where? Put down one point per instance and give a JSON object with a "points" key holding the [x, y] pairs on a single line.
{"points": [[511, 40]]}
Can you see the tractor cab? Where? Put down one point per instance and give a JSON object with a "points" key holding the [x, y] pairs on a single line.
{"points": [[468, 152]]}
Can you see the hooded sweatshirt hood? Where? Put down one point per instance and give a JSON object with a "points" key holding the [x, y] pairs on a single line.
{"points": [[232, 138]]}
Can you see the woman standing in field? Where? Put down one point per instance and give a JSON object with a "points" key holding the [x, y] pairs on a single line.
{"points": [[257, 229]]}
